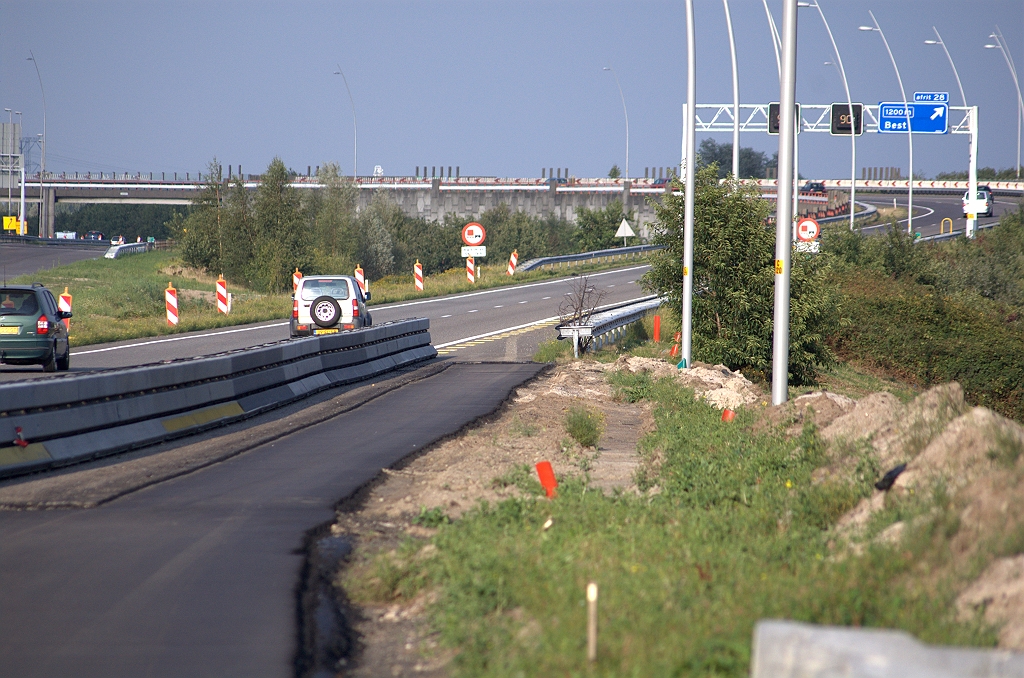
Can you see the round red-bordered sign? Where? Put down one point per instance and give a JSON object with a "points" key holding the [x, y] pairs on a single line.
{"points": [[807, 230], [473, 234]]}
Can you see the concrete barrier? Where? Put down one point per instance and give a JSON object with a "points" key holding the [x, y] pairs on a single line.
{"points": [[71, 418], [786, 649]]}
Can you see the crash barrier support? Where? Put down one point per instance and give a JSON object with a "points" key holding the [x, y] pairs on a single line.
{"points": [[614, 254], [222, 295], [607, 325], [942, 225], [786, 648], [72, 418], [171, 301], [64, 305], [417, 275]]}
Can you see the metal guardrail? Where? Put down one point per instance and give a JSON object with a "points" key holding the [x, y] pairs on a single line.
{"points": [[612, 254], [130, 248], [52, 242], [607, 325], [70, 418]]}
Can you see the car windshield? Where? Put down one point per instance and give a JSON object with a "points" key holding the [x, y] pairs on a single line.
{"points": [[314, 287], [18, 302]]}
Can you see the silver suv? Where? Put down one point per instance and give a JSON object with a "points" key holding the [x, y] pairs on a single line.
{"points": [[328, 304], [984, 199]]}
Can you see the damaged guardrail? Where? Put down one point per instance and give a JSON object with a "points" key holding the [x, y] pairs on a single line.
{"points": [[607, 325], [71, 418]]}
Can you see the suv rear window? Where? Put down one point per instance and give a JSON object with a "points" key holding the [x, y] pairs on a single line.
{"points": [[314, 287], [18, 302]]}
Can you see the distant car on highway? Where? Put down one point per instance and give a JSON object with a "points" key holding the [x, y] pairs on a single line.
{"points": [[328, 304], [813, 187], [31, 331], [985, 197], [93, 235]]}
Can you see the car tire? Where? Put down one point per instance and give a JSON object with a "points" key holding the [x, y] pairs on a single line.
{"points": [[325, 311], [64, 364], [50, 364]]}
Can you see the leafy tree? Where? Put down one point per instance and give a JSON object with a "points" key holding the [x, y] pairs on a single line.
{"points": [[595, 229], [753, 164], [376, 248], [733, 281], [238, 224], [130, 221], [282, 240], [614, 172], [199, 234], [331, 212], [984, 174]]}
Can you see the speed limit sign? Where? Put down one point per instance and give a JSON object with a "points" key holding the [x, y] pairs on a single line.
{"points": [[807, 229], [473, 234]]}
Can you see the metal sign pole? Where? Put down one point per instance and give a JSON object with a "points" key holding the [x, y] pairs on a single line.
{"points": [[972, 175], [691, 169], [784, 205]]}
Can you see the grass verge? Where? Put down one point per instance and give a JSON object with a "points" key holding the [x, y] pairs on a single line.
{"points": [[737, 531]]}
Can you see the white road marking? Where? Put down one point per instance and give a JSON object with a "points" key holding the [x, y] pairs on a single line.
{"points": [[522, 302], [447, 316], [491, 334], [473, 311], [499, 306], [545, 298], [169, 339]]}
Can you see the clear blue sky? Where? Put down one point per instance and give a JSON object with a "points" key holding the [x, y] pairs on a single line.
{"points": [[498, 88]]}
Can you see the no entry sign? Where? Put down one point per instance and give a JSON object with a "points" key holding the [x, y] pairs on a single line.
{"points": [[473, 234], [807, 230]]}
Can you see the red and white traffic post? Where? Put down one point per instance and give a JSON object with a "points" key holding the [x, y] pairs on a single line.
{"points": [[296, 277], [171, 300], [417, 274], [470, 270], [222, 295], [64, 305], [512, 261], [360, 278]]}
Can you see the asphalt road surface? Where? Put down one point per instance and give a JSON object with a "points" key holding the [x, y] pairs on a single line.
{"points": [[17, 259], [456, 323], [197, 576], [930, 210]]}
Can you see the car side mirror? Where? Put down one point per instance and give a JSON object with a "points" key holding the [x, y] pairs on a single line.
{"points": [[366, 295], [63, 314]]}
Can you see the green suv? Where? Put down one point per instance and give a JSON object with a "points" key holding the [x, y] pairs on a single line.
{"points": [[31, 331]]}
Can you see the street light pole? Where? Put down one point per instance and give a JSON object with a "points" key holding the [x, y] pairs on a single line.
{"points": [[355, 129], [1001, 46], [938, 41], [624, 112], [906, 112], [783, 205], [689, 134], [10, 176], [43, 215], [853, 121], [735, 96]]}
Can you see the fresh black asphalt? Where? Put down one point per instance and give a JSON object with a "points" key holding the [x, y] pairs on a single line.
{"points": [[198, 576]]}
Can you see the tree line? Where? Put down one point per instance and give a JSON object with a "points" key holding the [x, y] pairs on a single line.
{"points": [[257, 238]]}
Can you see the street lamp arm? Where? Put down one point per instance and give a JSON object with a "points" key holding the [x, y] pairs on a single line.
{"points": [[951, 64], [355, 127], [624, 112]]}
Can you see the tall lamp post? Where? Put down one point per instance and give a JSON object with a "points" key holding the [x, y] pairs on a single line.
{"points": [[624, 112], [1001, 46], [7, 164], [43, 215], [906, 112], [853, 121], [355, 130], [735, 97]]}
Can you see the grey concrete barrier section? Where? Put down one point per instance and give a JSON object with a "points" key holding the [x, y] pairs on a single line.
{"points": [[786, 649], [212, 391]]}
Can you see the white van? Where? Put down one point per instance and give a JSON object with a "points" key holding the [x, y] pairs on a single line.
{"points": [[328, 304]]}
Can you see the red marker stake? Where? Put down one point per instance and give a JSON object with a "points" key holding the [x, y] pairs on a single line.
{"points": [[547, 478]]}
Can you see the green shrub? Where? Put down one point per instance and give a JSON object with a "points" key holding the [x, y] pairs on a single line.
{"points": [[584, 425]]}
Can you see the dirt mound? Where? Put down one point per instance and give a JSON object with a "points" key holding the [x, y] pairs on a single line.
{"points": [[999, 594], [717, 384]]}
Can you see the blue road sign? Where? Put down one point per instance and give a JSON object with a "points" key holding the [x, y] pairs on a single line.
{"points": [[932, 97], [924, 118]]}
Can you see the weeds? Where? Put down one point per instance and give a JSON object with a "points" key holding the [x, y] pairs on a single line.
{"points": [[434, 517], [584, 425]]}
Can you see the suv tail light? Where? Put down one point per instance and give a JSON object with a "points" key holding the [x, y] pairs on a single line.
{"points": [[42, 325], [295, 308], [355, 308]]}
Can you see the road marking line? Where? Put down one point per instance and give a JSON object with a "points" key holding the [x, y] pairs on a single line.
{"points": [[169, 339], [535, 323], [522, 302], [473, 311], [447, 316]]}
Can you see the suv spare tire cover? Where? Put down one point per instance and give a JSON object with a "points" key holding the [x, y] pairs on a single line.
{"points": [[325, 311]]}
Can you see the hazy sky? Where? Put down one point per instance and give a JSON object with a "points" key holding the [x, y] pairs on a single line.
{"points": [[497, 88]]}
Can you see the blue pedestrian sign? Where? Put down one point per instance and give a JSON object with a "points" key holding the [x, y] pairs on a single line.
{"points": [[931, 97], [925, 118]]}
